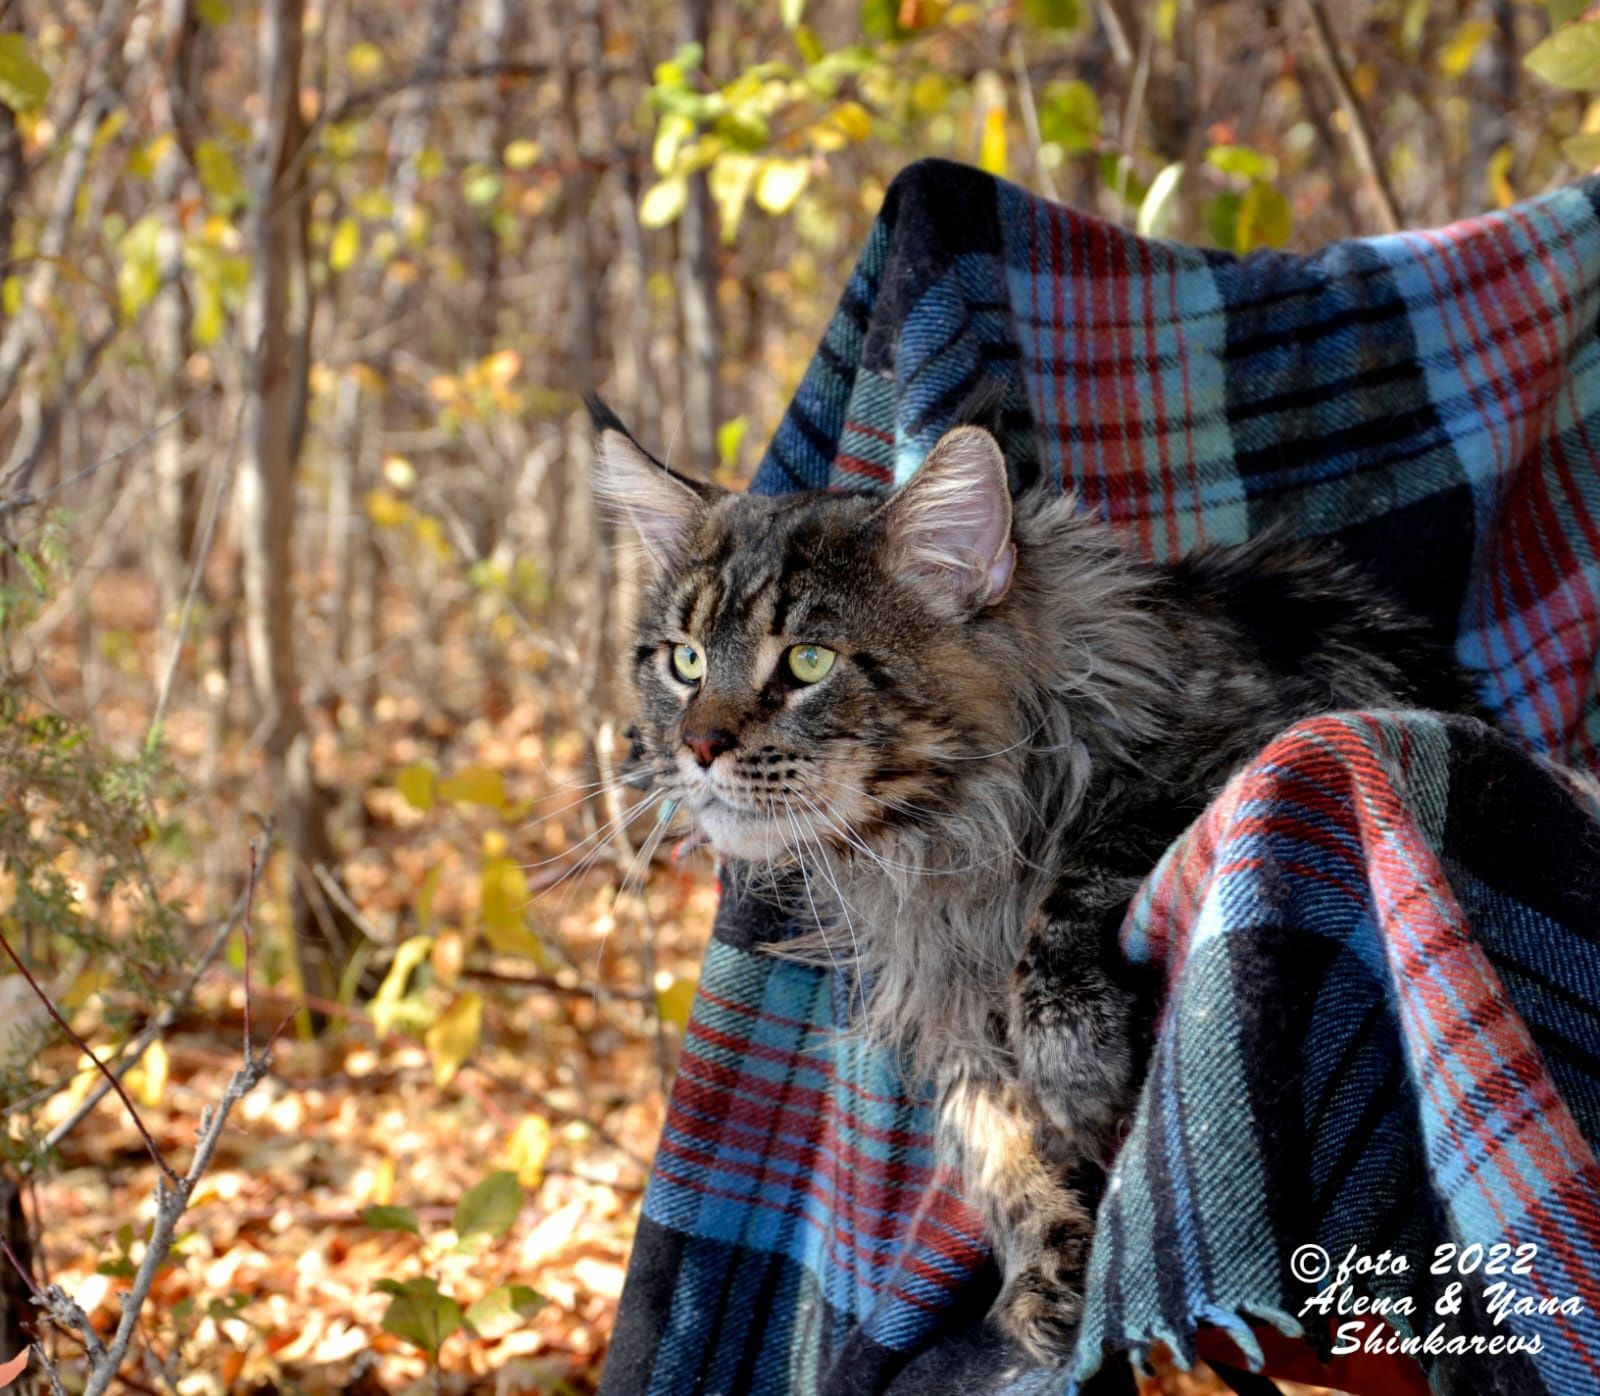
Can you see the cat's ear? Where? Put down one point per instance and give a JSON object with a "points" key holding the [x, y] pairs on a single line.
{"points": [[630, 484], [949, 526]]}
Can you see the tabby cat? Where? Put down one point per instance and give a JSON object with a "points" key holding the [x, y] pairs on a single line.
{"points": [[969, 726]]}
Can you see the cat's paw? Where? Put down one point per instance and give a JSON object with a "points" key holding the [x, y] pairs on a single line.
{"points": [[1040, 1313], [1076, 1054]]}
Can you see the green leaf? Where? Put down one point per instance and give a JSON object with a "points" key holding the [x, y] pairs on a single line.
{"points": [[880, 20], [23, 83], [481, 186], [419, 1314], [663, 202], [744, 128], [390, 1219], [1222, 217], [139, 265], [219, 176], [1064, 15], [1570, 57], [1069, 115], [475, 785], [503, 1309], [488, 1208], [1563, 10], [417, 785], [1241, 160], [1264, 219]]}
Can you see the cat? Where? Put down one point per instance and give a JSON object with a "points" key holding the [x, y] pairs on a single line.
{"points": [[969, 726]]}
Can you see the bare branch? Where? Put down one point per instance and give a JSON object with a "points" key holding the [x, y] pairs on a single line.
{"points": [[116, 1085], [1362, 146]]}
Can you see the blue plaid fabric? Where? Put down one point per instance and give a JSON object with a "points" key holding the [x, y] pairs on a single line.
{"points": [[1382, 943]]}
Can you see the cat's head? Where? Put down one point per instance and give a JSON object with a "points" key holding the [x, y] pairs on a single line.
{"points": [[814, 668]]}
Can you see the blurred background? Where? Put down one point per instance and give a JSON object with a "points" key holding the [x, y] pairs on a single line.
{"points": [[297, 303]]}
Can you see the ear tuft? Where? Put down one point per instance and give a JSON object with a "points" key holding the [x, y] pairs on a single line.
{"points": [[949, 526], [631, 485]]}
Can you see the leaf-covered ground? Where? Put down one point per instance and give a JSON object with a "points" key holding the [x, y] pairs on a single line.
{"points": [[511, 1039]]}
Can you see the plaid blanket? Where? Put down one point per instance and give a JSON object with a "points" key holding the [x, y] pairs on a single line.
{"points": [[1381, 943]]}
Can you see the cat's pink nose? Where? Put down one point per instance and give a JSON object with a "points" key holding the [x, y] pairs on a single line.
{"points": [[707, 746]]}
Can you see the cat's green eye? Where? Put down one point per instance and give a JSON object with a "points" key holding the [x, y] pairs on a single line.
{"points": [[688, 663], [810, 663]]}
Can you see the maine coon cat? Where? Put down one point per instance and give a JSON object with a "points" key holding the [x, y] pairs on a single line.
{"points": [[969, 727]]}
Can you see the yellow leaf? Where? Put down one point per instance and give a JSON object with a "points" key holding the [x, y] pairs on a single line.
{"points": [[503, 897], [929, 93], [454, 1037], [1457, 54], [675, 1002], [364, 60], [529, 1150], [219, 176], [345, 245], [730, 180], [853, 120], [382, 1193], [779, 183], [672, 131], [85, 985], [475, 785], [501, 367], [23, 83], [417, 785], [410, 953], [1583, 149], [11, 295], [663, 202], [1498, 177], [992, 149], [147, 1081], [521, 155], [385, 510]]}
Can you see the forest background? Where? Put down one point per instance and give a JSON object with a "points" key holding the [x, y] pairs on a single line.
{"points": [[307, 713]]}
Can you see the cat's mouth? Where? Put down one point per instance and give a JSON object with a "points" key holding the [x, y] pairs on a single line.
{"points": [[752, 834], [740, 832]]}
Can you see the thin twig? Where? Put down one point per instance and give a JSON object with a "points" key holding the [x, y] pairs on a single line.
{"points": [[1030, 115], [244, 923], [1362, 145], [172, 1201], [196, 569], [26, 500], [152, 1030], [116, 1085], [1133, 111]]}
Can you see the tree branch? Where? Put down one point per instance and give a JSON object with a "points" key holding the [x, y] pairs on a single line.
{"points": [[1362, 146]]}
